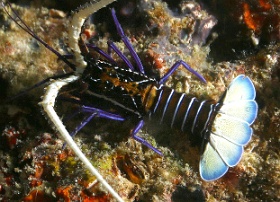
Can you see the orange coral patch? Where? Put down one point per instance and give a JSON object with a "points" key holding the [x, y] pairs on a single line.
{"points": [[265, 4], [248, 19]]}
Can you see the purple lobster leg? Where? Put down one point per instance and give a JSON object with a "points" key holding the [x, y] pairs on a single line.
{"points": [[95, 112], [127, 43], [175, 67], [23, 25], [68, 56], [112, 46], [83, 123], [141, 140], [103, 53], [102, 114], [79, 127]]}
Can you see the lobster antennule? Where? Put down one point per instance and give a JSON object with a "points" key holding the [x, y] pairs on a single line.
{"points": [[230, 130]]}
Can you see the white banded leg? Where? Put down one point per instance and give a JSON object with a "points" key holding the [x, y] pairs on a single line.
{"points": [[48, 105]]}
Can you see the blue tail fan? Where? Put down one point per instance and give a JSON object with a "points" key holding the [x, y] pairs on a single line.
{"points": [[230, 130]]}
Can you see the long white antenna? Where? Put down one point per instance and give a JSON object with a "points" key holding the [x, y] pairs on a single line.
{"points": [[77, 22], [48, 106]]}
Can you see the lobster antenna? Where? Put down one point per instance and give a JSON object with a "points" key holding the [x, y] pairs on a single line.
{"points": [[23, 26], [74, 31]]}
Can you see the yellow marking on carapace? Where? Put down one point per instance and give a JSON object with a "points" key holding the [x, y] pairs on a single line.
{"points": [[147, 94], [130, 87], [149, 97]]}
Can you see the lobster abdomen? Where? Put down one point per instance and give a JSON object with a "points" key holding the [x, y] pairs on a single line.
{"points": [[221, 129], [180, 111]]}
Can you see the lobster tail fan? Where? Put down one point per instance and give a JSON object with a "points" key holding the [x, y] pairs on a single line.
{"points": [[230, 130]]}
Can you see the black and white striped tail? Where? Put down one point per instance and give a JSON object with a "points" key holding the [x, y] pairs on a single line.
{"points": [[182, 112], [222, 129]]}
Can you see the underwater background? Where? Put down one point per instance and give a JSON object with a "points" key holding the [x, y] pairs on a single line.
{"points": [[219, 39]]}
